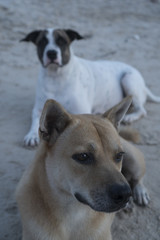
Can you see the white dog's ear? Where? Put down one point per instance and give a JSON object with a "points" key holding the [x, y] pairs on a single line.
{"points": [[73, 35], [32, 37], [54, 119], [116, 114]]}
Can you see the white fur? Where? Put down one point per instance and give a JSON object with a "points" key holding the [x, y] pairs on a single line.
{"points": [[84, 86]]}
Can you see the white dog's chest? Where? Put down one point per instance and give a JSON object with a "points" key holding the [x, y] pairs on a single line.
{"points": [[85, 87], [72, 94]]}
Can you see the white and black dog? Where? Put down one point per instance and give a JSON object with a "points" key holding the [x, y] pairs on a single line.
{"points": [[80, 85]]}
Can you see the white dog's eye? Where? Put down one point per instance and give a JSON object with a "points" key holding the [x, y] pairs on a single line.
{"points": [[119, 156], [83, 158], [61, 41]]}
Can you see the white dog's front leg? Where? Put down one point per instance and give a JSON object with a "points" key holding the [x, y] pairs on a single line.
{"points": [[32, 138]]}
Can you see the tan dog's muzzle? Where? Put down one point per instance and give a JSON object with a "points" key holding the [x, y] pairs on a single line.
{"points": [[107, 199]]}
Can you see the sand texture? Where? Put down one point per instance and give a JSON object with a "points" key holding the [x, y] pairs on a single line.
{"points": [[121, 30]]}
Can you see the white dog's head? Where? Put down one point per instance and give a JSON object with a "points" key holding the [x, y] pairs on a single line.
{"points": [[53, 45]]}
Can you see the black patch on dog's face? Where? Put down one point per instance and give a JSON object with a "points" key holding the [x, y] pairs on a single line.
{"points": [[42, 42], [63, 42], [38, 37], [63, 38]]}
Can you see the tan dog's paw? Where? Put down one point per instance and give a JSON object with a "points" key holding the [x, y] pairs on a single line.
{"points": [[140, 195]]}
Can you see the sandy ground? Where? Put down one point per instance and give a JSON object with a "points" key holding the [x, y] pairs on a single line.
{"points": [[120, 30]]}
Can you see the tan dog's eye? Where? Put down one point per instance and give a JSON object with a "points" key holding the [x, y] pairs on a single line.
{"points": [[84, 158], [119, 156]]}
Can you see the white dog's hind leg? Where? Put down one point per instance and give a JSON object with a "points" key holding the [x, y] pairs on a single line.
{"points": [[139, 112], [133, 85]]}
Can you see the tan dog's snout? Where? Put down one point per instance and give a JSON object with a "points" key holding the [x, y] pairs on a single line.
{"points": [[107, 198]]}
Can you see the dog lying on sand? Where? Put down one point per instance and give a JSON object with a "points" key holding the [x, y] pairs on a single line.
{"points": [[80, 85], [75, 184]]}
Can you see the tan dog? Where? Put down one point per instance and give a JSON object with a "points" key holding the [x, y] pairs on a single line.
{"points": [[75, 184]]}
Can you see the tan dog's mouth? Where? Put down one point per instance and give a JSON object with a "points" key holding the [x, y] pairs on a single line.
{"points": [[116, 197], [101, 207]]}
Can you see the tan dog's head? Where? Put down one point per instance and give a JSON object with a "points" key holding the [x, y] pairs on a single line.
{"points": [[84, 155]]}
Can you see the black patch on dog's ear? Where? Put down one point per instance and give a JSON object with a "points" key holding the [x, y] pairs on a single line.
{"points": [[73, 35], [53, 121], [116, 113], [32, 37]]}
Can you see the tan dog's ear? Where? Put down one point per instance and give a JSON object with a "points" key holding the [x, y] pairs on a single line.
{"points": [[116, 114], [53, 121]]}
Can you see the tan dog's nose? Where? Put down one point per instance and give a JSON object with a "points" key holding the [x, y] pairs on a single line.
{"points": [[119, 193]]}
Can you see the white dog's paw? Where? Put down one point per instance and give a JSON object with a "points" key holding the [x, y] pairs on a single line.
{"points": [[31, 139], [140, 195], [128, 118], [131, 117]]}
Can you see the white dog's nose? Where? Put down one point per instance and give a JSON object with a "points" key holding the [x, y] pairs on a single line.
{"points": [[52, 54]]}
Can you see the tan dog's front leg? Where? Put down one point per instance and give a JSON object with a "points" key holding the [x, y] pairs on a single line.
{"points": [[134, 169]]}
